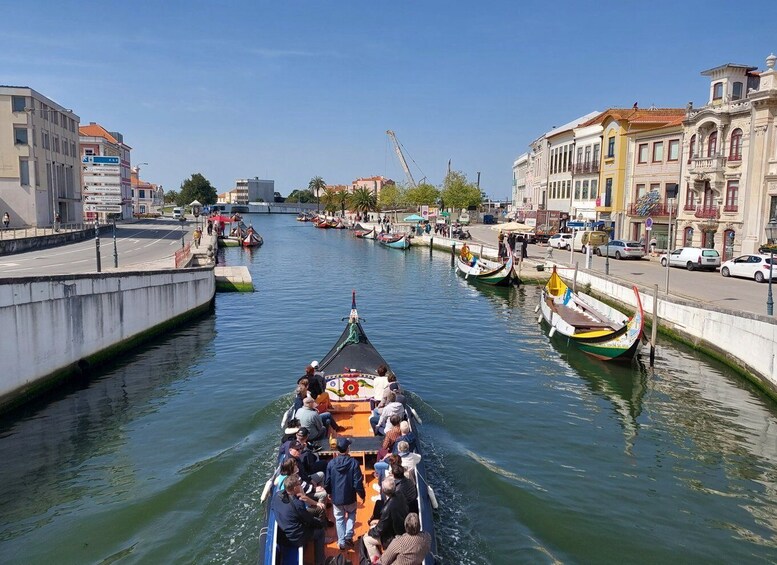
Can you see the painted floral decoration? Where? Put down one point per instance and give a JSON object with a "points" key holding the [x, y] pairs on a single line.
{"points": [[350, 388]]}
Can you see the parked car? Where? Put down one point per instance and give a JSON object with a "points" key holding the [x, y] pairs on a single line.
{"points": [[584, 238], [560, 240], [464, 218], [178, 214], [692, 258], [622, 249], [754, 267]]}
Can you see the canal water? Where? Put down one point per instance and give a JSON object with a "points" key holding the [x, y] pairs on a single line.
{"points": [[538, 454]]}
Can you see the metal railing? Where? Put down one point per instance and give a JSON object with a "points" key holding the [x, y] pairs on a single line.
{"points": [[587, 167], [34, 231], [707, 212], [655, 209]]}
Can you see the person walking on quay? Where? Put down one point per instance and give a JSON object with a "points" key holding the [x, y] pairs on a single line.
{"points": [[197, 235], [57, 221], [525, 247], [6, 220], [344, 481], [210, 227], [653, 244]]}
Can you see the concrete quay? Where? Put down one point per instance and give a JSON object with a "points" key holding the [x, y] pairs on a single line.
{"points": [[745, 341]]}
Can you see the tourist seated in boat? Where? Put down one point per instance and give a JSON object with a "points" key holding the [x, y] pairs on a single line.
{"points": [[467, 256], [296, 525], [308, 452], [317, 507], [379, 385], [391, 522], [408, 458], [380, 422], [306, 468], [411, 547], [406, 487], [391, 436], [303, 392], [381, 467], [316, 380], [320, 426], [344, 482], [407, 435]]}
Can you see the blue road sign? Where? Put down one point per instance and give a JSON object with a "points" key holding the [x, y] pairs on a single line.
{"points": [[99, 160], [649, 223]]}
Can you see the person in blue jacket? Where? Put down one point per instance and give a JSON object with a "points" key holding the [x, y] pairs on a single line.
{"points": [[297, 524], [343, 481]]}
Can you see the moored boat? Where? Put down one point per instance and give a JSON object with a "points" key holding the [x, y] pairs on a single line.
{"points": [[365, 234], [351, 375], [399, 241], [477, 269], [593, 326], [252, 239]]}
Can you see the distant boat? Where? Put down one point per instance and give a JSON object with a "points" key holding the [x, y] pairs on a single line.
{"points": [[400, 241], [596, 328], [252, 239], [486, 272], [365, 234]]}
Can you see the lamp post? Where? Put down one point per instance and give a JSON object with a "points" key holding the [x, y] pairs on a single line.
{"points": [[115, 249], [771, 237], [196, 207], [607, 230]]}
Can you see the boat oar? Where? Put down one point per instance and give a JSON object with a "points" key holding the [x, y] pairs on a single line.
{"points": [[415, 415], [268, 484]]}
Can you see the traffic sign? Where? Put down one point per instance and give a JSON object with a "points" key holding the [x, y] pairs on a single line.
{"points": [[649, 223], [100, 199], [104, 208], [100, 160]]}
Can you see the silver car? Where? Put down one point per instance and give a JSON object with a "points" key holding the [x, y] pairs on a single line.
{"points": [[622, 249]]}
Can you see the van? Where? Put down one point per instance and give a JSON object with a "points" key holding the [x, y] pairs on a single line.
{"points": [[178, 214], [583, 239], [464, 218], [692, 258]]}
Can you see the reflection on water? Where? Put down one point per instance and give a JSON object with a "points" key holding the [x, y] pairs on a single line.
{"points": [[538, 453]]}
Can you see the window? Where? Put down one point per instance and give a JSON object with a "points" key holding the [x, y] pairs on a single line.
{"points": [[55, 117], [655, 187], [735, 150], [608, 192], [594, 189], [587, 154], [640, 190], [45, 140], [18, 103], [643, 153], [596, 154], [674, 150], [732, 195], [712, 144], [56, 144], [687, 237], [691, 148], [142, 194], [577, 190], [585, 190], [736, 91], [65, 148], [564, 161], [89, 151], [20, 136], [24, 172], [717, 91], [689, 197], [611, 147], [579, 155], [658, 151], [73, 148]]}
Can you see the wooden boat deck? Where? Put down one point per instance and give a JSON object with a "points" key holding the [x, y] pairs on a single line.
{"points": [[580, 320], [355, 418]]}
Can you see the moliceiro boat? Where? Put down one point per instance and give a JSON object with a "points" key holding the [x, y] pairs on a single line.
{"points": [[594, 327], [352, 374], [481, 270], [364, 233], [394, 241]]}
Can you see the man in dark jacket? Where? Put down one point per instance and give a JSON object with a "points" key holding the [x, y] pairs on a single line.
{"points": [[297, 524], [343, 481], [391, 522]]}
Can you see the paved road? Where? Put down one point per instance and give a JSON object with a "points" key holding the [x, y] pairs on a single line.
{"points": [[710, 287], [149, 243]]}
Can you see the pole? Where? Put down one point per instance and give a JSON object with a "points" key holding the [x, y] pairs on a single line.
{"points": [[607, 253], [183, 235], [769, 299], [115, 249], [669, 244], [654, 328], [97, 245]]}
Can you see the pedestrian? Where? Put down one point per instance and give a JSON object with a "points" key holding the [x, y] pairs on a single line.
{"points": [[197, 235], [6, 220], [653, 244], [502, 250], [57, 221], [344, 481], [210, 227], [525, 247]]}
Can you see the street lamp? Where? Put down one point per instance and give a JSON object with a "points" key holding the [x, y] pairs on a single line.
{"points": [[607, 230], [771, 238], [196, 207]]}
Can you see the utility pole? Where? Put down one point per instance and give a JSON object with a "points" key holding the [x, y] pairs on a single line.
{"points": [[97, 244]]}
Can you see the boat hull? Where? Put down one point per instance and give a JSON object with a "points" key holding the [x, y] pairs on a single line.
{"points": [[400, 243], [502, 275]]}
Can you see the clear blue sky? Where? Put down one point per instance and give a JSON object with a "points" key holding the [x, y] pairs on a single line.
{"points": [[288, 90]]}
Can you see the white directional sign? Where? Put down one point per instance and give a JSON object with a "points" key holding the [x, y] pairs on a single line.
{"points": [[111, 208], [101, 199]]}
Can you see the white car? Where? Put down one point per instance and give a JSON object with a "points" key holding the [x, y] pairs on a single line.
{"points": [[754, 267], [560, 240], [693, 258]]}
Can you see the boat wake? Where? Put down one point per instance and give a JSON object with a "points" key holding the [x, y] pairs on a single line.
{"points": [[494, 468]]}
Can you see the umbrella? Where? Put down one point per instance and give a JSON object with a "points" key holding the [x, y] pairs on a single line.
{"points": [[445, 214], [221, 219], [513, 226], [415, 218]]}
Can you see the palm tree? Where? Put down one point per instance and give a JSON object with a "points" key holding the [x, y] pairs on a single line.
{"points": [[331, 199], [364, 201], [316, 185]]}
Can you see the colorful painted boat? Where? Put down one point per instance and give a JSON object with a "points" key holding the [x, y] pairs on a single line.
{"points": [[351, 372], [485, 271], [593, 326], [394, 241], [252, 239], [365, 234]]}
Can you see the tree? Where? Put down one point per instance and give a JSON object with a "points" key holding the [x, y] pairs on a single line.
{"points": [[171, 197], [363, 200], [330, 200], [458, 193], [316, 186], [196, 188], [424, 193], [300, 195], [391, 197]]}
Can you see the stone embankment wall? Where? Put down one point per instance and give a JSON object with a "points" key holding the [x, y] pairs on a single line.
{"points": [[743, 340], [56, 326], [22, 244]]}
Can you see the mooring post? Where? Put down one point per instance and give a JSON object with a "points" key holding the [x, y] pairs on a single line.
{"points": [[453, 252], [431, 244], [574, 279], [654, 328]]}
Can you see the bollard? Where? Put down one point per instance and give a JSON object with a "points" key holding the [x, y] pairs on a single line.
{"points": [[97, 246], [115, 249], [574, 279], [431, 245]]}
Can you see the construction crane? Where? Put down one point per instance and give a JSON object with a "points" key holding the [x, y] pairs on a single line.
{"points": [[402, 161]]}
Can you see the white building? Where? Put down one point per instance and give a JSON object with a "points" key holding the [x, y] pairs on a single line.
{"points": [[107, 186], [536, 175], [585, 172], [254, 190], [520, 197], [40, 174]]}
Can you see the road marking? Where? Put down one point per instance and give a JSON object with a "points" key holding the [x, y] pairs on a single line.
{"points": [[9, 264]]}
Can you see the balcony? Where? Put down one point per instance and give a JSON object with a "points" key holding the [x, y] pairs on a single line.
{"points": [[712, 212], [707, 165], [587, 167], [653, 209], [689, 207], [730, 208]]}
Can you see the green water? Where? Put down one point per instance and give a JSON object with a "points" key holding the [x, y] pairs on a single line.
{"points": [[538, 454]]}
